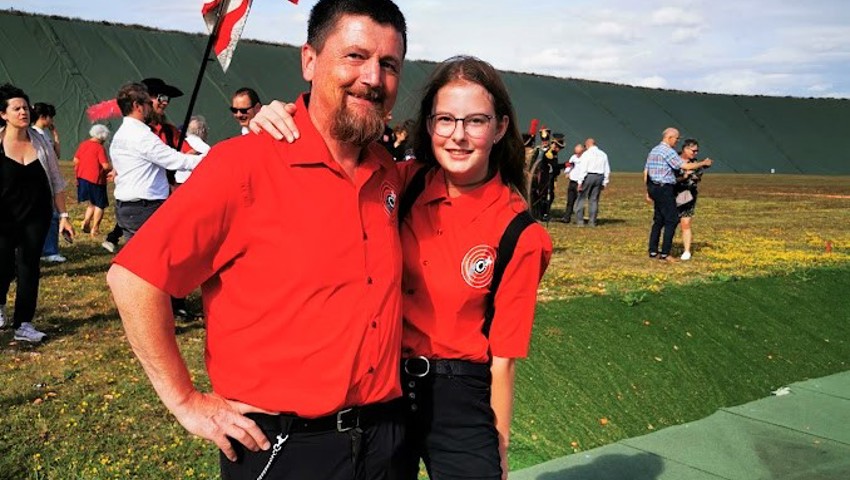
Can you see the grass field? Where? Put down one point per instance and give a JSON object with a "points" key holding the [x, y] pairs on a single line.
{"points": [[618, 337]]}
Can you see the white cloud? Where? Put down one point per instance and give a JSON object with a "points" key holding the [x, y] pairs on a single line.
{"points": [[654, 81], [672, 16], [684, 35]]}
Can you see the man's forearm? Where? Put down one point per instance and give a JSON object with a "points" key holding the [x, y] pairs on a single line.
{"points": [[149, 324]]}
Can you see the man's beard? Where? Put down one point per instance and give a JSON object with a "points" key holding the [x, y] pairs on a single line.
{"points": [[363, 128], [155, 118]]}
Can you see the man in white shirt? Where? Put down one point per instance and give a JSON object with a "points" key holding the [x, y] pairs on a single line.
{"points": [[575, 171], [141, 159], [591, 181]]}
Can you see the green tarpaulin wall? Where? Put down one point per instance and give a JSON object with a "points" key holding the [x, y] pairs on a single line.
{"points": [[73, 64]]}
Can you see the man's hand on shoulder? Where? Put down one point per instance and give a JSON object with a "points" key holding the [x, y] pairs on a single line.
{"points": [[214, 418], [277, 120]]}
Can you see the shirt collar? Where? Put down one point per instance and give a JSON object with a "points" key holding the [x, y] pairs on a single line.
{"points": [[470, 204], [311, 149]]}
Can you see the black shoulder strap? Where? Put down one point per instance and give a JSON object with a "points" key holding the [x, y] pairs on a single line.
{"points": [[504, 253], [411, 193]]}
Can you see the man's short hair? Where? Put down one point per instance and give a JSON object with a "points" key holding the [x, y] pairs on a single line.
{"points": [[129, 94], [41, 109], [99, 132], [326, 13], [250, 92]]}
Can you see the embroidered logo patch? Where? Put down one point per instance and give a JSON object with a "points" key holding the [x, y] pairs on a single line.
{"points": [[389, 198], [477, 266]]}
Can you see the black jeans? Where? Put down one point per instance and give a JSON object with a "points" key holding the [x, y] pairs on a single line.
{"points": [[358, 454], [665, 217], [20, 247], [572, 195], [450, 425], [132, 215]]}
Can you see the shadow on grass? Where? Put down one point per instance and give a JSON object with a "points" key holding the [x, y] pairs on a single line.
{"points": [[643, 466]]}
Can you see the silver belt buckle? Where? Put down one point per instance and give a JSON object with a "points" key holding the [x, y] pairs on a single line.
{"points": [[339, 415], [419, 375]]}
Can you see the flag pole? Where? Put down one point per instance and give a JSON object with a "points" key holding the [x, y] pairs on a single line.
{"points": [[213, 37]]}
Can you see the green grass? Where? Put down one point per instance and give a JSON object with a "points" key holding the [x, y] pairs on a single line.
{"points": [[674, 357], [761, 305]]}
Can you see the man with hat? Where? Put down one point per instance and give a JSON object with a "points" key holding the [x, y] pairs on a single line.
{"points": [[161, 95]]}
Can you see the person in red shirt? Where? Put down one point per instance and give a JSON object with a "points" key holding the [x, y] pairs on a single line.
{"points": [[91, 165], [469, 297], [311, 363]]}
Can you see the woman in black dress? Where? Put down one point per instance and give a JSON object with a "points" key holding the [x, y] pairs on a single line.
{"points": [[30, 187]]}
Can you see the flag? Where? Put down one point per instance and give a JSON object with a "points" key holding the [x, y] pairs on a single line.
{"points": [[235, 12]]}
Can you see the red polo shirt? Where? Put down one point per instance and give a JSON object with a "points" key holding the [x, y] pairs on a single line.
{"points": [[90, 159], [449, 247], [300, 268]]}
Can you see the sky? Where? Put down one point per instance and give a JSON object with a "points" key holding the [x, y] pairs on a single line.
{"points": [[748, 47]]}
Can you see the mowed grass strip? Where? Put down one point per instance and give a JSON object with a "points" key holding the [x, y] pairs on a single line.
{"points": [[612, 367]]}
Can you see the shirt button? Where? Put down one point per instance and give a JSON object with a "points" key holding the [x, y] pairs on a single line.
{"points": [[425, 262], [374, 324], [412, 395], [410, 291], [369, 280], [439, 232], [411, 384]]}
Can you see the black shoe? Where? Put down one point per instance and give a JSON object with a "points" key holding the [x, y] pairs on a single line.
{"points": [[564, 220]]}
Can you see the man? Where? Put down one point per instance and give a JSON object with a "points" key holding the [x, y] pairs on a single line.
{"points": [[161, 95], [592, 179], [141, 160], [315, 359], [543, 183], [44, 113], [661, 164], [244, 105], [574, 171]]}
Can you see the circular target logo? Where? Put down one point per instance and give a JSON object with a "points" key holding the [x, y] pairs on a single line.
{"points": [[389, 198], [477, 266]]}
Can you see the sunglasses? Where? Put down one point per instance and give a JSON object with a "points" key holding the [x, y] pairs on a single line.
{"points": [[243, 111], [162, 98]]}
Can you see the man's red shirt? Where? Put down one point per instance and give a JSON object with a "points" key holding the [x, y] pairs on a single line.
{"points": [[299, 265]]}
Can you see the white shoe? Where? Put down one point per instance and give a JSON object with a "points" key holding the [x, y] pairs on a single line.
{"points": [[27, 333], [686, 256], [54, 258], [109, 246], [2, 316]]}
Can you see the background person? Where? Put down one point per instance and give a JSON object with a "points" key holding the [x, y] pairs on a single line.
{"points": [[91, 166], [688, 181], [31, 188], [574, 173], [592, 179], [661, 164], [196, 142], [244, 105], [43, 115]]}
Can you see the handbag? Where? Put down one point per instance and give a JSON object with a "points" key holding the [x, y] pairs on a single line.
{"points": [[685, 196]]}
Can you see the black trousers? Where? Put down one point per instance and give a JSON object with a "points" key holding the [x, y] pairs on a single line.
{"points": [[363, 453], [665, 217], [20, 249], [572, 195], [450, 425]]}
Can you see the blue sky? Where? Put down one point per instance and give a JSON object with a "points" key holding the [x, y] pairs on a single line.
{"points": [[765, 47]]}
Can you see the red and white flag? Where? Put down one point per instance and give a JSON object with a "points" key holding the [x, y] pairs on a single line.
{"points": [[232, 23]]}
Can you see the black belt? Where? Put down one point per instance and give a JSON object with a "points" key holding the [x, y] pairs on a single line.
{"points": [[142, 203], [341, 421], [421, 367]]}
